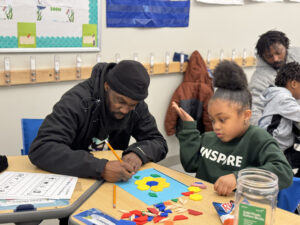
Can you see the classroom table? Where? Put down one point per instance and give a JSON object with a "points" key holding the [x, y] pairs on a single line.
{"points": [[102, 200], [83, 189]]}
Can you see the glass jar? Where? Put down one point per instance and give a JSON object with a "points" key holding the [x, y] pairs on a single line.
{"points": [[255, 197]]}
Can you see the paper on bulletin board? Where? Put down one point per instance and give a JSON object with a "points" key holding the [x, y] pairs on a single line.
{"points": [[173, 191], [58, 25], [222, 2]]}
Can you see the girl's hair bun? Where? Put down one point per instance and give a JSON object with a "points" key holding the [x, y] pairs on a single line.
{"points": [[228, 75]]}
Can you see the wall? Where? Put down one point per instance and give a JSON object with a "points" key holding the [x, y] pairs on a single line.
{"points": [[211, 27]]}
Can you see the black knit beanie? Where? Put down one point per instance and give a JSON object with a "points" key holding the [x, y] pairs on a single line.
{"points": [[3, 162], [129, 78]]}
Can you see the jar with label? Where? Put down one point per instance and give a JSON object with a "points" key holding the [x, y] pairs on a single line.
{"points": [[255, 197]]}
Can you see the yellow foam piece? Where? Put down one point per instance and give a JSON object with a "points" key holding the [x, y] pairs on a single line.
{"points": [[165, 184], [143, 187], [194, 189], [156, 188], [195, 197], [146, 179], [138, 182], [160, 179]]}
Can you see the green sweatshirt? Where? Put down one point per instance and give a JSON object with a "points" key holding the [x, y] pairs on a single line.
{"points": [[211, 158]]}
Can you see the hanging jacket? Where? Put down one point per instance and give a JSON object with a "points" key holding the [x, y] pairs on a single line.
{"points": [[63, 141], [192, 95]]}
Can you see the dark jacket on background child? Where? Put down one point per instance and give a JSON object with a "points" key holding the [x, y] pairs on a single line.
{"points": [[211, 158], [192, 95]]}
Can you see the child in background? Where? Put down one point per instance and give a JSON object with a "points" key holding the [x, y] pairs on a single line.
{"points": [[281, 113], [234, 144]]}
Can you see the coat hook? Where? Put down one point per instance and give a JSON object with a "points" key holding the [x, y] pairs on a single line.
{"points": [[78, 66], [208, 58], [32, 68], [167, 61], [233, 54], [244, 61], [136, 56], [181, 61], [221, 55], [98, 58], [56, 67], [117, 57], [151, 63], [7, 73]]}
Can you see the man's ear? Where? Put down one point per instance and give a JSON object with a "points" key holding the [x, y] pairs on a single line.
{"points": [[106, 86]]}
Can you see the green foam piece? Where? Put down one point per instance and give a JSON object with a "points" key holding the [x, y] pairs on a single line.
{"points": [[152, 194], [154, 175], [174, 200], [137, 177]]}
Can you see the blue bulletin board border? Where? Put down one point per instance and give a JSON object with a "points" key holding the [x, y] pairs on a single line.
{"points": [[175, 186]]}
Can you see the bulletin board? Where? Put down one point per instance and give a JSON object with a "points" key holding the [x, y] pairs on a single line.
{"points": [[49, 25]]}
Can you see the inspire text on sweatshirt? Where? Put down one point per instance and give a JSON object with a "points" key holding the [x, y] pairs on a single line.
{"points": [[213, 155]]}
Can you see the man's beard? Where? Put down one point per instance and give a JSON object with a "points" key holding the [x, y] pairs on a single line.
{"points": [[277, 65]]}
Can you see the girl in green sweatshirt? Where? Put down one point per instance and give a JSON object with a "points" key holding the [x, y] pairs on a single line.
{"points": [[234, 144]]}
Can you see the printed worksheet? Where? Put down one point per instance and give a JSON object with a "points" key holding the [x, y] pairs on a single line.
{"points": [[21, 185]]}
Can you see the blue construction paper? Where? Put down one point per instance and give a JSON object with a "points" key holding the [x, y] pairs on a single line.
{"points": [[147, 13], [173, 191], [95, 216]]}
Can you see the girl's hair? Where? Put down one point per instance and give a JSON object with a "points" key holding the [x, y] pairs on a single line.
{"points": [[269, 38], [231, 83], [288, 72]]}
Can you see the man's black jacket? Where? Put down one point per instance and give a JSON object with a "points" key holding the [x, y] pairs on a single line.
{"points": [[61, 145]]}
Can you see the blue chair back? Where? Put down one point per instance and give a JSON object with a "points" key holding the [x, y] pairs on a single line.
{"points": [[289, 198], [30, 129]]}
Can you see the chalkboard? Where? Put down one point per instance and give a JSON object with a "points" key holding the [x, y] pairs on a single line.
{"points": [[49, 25]]}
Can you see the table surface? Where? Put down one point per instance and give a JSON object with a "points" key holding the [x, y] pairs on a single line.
{"points": [[102, 200], [83, 189]]}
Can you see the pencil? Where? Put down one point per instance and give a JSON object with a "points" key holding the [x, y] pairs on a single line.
{"points": [[114, 196], [113, 151]]}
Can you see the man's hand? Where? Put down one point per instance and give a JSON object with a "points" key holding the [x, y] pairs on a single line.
{"points": [[225, 184], [181, 113], [132, 159], [115, 171]]}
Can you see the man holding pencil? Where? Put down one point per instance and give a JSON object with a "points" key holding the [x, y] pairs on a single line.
{"points": [[105, 110]]}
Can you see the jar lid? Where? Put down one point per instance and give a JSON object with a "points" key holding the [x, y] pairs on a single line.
{"points": [[257, 179]]}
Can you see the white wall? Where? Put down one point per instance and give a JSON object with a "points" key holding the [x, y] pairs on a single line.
{"points": [[211, 27]]}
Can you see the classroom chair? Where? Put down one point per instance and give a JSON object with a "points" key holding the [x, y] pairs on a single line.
{"points": [[289, 198], [30, 129]]}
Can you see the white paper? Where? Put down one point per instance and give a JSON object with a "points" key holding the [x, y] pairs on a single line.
{"points": [[53, 18], [222, 2], [267, 0], [21, 185]]}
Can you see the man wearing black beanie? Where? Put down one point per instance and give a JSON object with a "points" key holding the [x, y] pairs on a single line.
{"points": [[107, 106]]}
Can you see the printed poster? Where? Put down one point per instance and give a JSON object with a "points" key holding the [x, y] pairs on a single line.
{"points": [[48, 24]]}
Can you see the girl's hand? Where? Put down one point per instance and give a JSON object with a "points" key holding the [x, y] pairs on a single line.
{"points": [[225, 184], [181, 113]]}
